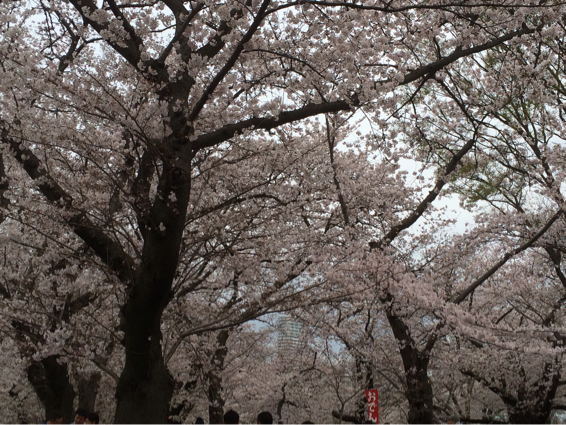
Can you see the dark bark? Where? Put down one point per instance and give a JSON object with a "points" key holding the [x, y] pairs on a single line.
{"points": [[87, 389], [415, 363], [182, 408], [214, 378], [348, 418], [282, 401], [528, 412], [145, 386], [50, 380], [4, 186], [529, 404], [419, 388], [268, 123], [534, 405], [365, 379]]}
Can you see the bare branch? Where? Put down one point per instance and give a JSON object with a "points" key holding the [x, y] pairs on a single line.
{"points": [[4, 186]]}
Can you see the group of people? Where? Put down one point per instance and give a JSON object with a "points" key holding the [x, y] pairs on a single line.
{"points": [[82, 416], [232, 417]]}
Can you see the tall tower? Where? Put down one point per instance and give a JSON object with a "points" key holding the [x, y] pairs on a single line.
{"points": [[289, 330]]}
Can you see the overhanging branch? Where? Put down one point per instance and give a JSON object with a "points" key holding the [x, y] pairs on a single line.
{"points": [[462, 296], [108, 250], [268, 123], [128, 47], [432, 195]]}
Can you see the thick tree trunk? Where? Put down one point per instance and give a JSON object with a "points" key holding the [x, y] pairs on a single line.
{"points": [[535, 405], [50, 380], [145, 387], [88, 390], [525, 417], [214, 377], [419, 388]]}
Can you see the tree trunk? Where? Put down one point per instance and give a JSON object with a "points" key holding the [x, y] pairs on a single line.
{"points": [[182, 408], [88, 390], [535, 405], [214, 377], [50, 380], [365, 379], [419, 388], [530, 403], [145, 387]]}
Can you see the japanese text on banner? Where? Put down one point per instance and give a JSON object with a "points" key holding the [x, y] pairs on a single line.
{"points": [[373, 406]]}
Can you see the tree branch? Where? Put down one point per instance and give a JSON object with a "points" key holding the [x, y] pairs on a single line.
{"points": [[229, 63], [432, 195], [556, 258], [4, 186], [507, 399], [389, 9], [459, 53], [268, 123], [178, 10], [108, 250], [347, 418], [128, 48], [101, 364], [462, 296]]}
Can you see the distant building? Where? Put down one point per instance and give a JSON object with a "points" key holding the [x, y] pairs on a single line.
{"points": [[289, 330]]}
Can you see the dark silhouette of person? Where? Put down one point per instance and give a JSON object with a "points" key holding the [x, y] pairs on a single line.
{"points": [[264, 418], [231, 417], [80, 416], [92, 418]]}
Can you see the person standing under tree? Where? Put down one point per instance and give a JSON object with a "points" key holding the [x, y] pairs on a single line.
{"points": [[264, 418], [80, 416], [231, 417]]}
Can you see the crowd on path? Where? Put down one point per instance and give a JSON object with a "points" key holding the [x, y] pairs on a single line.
{"points": [[232, 417], [82, 416]]}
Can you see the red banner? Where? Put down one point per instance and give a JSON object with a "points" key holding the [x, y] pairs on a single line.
{"points": [[373, 407]]}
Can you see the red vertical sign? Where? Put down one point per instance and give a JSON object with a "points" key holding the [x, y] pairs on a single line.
{"points": [[373, 406]]}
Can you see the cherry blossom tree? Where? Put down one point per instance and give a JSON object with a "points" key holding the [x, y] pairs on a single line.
{"points": [[118, 120]]}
